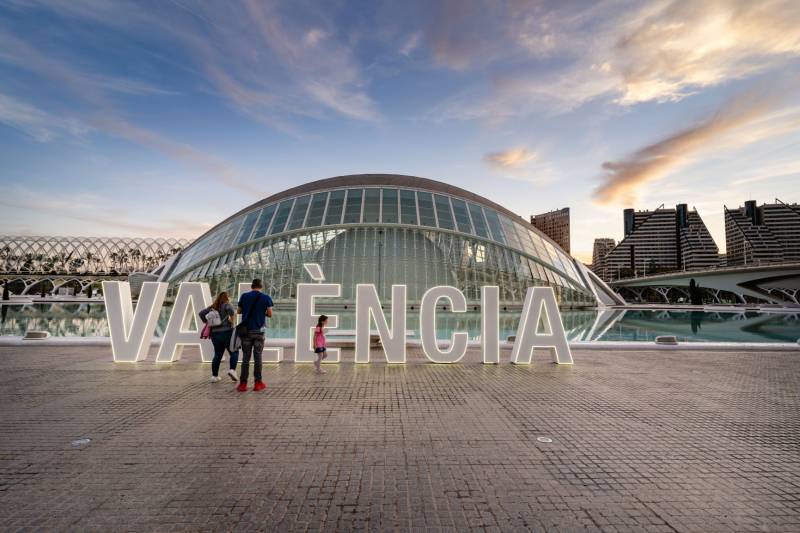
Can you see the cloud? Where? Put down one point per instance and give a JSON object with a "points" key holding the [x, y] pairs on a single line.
{"points": [[35, 122], [553, 58], [623, 178], [93, 91], [94, 209], [775, 172], [411, 44], [521, 164], [273, 66], [687, 45], [207, 163], [513, 158], [270, 62]]}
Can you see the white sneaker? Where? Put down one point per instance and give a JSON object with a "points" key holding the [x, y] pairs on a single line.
{"points": [[233, 375], [320, 371], [214, 379]]}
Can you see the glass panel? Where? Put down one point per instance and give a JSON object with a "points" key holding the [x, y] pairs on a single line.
{"points": [[247, 227], [281, 216], [372, 205], [352, 214], [527, 244], [389, 211], [335, 204], [510, 233], [443, 212], [299, 213], [317, 210], [478, 221], [494, 226], [408, 207], [462, 218], [263, 222], [426, 216]]}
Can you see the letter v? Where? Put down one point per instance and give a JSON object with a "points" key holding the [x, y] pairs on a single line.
{"points": [[131, 331]]}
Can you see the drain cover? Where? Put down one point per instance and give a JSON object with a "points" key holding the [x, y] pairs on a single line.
{"points": [[81, 442], [544, 439]]}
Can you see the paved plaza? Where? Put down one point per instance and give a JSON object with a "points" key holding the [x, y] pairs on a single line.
{"points": [[652, 441]]}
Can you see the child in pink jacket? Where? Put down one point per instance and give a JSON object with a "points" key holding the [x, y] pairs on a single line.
{"points": [[320, 345]]}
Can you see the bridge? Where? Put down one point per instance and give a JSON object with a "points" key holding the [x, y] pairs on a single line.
{"points": [[772, 283]]}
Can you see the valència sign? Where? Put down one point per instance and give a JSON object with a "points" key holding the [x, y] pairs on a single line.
{"points": [[131, 330]]}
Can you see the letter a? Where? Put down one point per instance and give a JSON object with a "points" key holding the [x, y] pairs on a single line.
{"points": [[528, 336], [191, 298], [131, 331]]}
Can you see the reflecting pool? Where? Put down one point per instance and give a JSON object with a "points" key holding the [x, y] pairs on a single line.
{"points": [[89, 320]]}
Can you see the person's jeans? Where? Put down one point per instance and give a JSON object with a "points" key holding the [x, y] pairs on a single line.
{"points": [[253, 344], [221, 341]]}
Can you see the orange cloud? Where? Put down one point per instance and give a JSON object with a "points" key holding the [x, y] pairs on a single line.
{"points": [[625, 177], [514, 158]]}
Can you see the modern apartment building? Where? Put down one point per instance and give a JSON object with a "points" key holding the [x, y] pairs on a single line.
{"points": [[769, 233], [600, 250], [554, 224], [662, 240]]}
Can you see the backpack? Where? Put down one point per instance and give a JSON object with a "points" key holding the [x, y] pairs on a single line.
{"points": [[213, 318]]}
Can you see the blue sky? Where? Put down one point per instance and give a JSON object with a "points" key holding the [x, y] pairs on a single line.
{"points": [[162, 118]]}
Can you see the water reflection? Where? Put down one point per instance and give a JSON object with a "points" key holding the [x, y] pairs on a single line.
{"points": [[89, 320]]}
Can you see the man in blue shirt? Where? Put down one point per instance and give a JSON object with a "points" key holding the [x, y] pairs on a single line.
{"points": [[254, 307]]}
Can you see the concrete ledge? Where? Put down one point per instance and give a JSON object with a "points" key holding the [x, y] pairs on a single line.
{"points": [[415, 343]]}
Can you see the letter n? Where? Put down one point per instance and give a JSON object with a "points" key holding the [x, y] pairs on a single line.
{"points": [[368, 307]]}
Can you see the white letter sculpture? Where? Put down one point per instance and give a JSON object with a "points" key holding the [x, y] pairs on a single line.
{"points": [[393, 341], [306, 320], [427, 324], [191, 298], [131, 331], [490, 324], [528, 336]]}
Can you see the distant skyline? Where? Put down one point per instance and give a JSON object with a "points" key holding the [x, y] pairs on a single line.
{"points": [[116, 119]]}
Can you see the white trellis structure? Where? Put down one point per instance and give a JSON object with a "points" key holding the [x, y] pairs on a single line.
{"points": [[60, 260]]}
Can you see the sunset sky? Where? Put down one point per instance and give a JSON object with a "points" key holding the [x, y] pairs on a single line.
{"points": [[162, 118]]}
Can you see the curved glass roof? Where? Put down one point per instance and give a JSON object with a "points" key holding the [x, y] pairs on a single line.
{"points": [[376, 201]]}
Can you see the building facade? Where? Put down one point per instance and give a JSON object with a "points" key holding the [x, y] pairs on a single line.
{"points": [[382, 229], [662, 240], [769, 233], [554, 224], [602, 246]]}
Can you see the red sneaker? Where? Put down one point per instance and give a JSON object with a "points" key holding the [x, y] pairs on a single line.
{"points": [[259, 385], [242, 387]]}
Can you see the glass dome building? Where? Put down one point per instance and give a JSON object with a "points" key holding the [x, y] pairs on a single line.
{"points": [[382, 229]]}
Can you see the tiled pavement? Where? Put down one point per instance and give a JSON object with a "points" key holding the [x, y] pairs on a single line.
{"points": [[660, 441]]}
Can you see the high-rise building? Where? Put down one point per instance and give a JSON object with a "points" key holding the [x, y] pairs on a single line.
{"points": [[554, 224], [769, 233], [663, 240], [600, 250]]}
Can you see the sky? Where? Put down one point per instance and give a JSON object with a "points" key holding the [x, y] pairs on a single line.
{"points": [[161, 118]]}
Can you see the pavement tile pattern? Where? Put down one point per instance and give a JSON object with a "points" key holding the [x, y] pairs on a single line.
{"points": [[649, 441]]}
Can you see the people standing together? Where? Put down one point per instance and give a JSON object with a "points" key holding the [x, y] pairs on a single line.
{"points": [[255, 307]]}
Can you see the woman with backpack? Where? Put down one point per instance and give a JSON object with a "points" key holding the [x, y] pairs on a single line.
{"points": [[219, 319]]}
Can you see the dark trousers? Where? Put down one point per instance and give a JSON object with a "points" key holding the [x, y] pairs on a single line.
{"points": [[252, 344], [222, 341]]}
